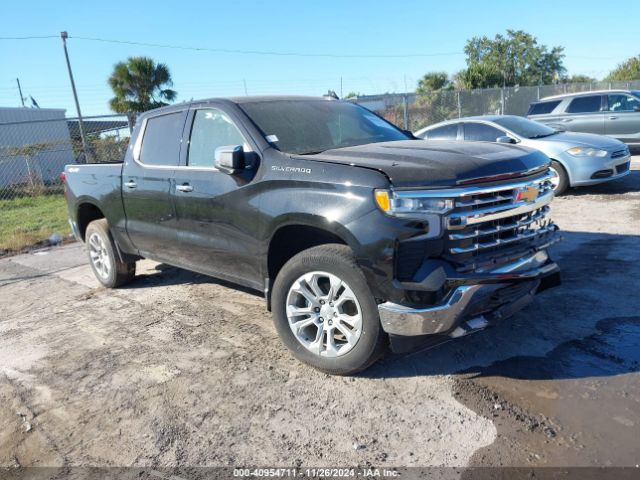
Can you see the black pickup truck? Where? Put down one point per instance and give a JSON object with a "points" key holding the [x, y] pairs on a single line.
{"points": [[358, 234]]}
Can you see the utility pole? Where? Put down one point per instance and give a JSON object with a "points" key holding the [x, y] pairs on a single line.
{"points": [[20, 90], [245, 87], [63, 36]]}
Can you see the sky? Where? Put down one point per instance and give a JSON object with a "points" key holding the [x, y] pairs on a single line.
{"points": [[368, 47]]}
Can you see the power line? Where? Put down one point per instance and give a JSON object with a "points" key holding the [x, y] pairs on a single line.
{"points": [[277, 53], [32, 37], [265, 52]]}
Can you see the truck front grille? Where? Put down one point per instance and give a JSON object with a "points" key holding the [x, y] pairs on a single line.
{"points": [[487, 220]]}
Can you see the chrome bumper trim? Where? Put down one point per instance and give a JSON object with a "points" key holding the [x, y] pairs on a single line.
{"points": [[409, 321]]}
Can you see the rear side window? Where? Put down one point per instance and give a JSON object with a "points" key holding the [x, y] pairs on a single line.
{"points": [[446, 132], [212, 128], [480, 132], [161, 140], [585, 104], [543, 108]]}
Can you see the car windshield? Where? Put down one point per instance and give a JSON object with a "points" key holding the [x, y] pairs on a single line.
{"points": [[313, 126], [524, 127]]}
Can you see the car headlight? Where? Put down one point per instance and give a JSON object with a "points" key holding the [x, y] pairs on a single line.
{"points": [[587, 152], [411, 205]]}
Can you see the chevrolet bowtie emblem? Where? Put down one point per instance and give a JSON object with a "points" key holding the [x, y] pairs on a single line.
{"points": [[528, 194]]}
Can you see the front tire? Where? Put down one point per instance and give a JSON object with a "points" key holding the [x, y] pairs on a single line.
{"points": [[562, 180], [324, 312], [105, 262]]}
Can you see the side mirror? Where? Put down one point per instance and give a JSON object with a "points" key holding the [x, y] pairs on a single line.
{"points": [[636, 108], [229, 159], [506, 139]]}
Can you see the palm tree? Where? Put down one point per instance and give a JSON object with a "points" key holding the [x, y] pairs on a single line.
{"points": [[140, 84]]}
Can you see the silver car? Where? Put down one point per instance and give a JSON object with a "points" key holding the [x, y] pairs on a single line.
{"points": [[615, 113], [577, 158]]}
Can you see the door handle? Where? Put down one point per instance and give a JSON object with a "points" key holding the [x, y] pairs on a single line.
{"points": [[184, 188], [612, 118], [131, 184], [567, 120]]}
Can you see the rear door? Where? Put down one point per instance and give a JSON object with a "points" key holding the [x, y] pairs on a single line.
{"points": [[584, 114], [147, 178], [622, 120], [218, 227]]}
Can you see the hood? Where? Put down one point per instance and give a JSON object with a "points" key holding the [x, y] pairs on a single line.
{"points": [[575, 139], [417, 163]]}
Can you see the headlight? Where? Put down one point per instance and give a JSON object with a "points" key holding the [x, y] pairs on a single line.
{"points": [[411, 205], [587, 152]]}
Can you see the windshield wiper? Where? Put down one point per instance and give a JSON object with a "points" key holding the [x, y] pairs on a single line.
{"points": [[542, 135], [311, 153]]}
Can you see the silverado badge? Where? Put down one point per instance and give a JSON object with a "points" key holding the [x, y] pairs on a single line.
{"points": [[528, 194]]}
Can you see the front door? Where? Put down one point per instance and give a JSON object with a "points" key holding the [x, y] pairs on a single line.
{"points": [[218, 227], [622, 120], [147, 178]]}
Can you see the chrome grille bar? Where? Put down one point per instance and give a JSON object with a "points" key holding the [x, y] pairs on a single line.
{"points": [[524, 235], [523, 222], [462, 219]]}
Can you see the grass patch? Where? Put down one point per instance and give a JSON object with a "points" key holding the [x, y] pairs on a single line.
{"points": [[26, 221]]}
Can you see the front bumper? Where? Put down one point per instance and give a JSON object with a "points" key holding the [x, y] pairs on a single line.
{"points": [[496, 294], [591, 171]]}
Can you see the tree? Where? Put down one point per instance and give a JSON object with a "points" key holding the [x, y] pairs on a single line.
{"points": [[508, 60], [478, 75], [579, 78], [626, 71], [433, 81], [140, 84]]}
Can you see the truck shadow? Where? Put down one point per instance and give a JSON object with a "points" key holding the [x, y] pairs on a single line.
{"points": [[167, 275], [587, 327]]}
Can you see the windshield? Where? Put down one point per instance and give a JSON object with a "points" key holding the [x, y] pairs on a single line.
{"points": [[313, 126], [524, 127]]}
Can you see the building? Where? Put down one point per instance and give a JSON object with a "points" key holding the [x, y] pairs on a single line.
{"points": [[35, 145]]}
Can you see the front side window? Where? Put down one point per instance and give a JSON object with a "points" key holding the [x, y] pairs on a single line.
{"points": [[212, 128], [161, 140], [313, 126], [585, 105], [622, 103], [479, 132], [446, 132]]}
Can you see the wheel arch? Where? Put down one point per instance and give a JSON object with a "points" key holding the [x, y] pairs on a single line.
{"points": [[87, 212], [294, 236]]}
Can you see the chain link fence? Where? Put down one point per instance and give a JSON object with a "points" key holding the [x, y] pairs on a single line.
{"points": [[413, 112], [36, 144]]}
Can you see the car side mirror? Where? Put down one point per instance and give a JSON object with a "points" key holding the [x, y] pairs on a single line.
{"points": [[229, 159], [506, 139], [636, 108]]}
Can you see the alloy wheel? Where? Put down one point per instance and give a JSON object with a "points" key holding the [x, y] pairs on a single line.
{"points": [[324, 314], [99, 255]]}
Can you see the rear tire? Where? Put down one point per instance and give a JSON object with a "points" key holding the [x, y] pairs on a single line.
{"points": [[104, 259], [342, 334], [563, 178]]}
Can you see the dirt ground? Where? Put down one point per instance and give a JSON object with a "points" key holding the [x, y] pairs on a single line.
{"points": [[179, 369]]}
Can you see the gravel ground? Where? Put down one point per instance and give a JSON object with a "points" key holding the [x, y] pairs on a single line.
{"points": [[179, 369]]}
